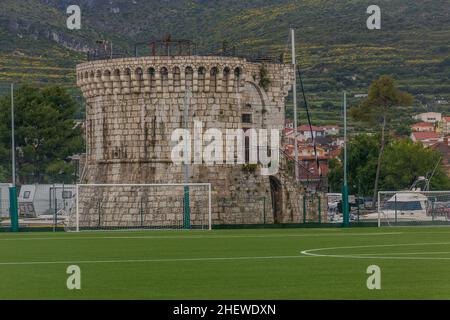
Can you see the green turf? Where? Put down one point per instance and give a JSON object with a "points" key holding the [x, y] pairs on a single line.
{"points": [[201, 264]]}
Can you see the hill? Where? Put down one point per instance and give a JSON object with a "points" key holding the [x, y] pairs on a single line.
{"points": [[334, 47]]}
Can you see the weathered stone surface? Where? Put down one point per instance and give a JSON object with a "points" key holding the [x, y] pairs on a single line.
{"points": [[134, 105]]}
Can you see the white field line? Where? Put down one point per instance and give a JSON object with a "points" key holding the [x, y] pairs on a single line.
{"points": [[402, 253], [146, 260], [76, 237], [311, 252]]}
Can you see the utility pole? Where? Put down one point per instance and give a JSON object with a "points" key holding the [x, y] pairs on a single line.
{"points": [[345, 209], [13, 190], [294, 93]]}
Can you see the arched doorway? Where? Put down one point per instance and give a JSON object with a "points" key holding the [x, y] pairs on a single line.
{"points": [[277, 199]]}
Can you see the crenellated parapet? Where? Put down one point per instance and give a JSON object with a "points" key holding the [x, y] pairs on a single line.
{"points": [[154, 75]]}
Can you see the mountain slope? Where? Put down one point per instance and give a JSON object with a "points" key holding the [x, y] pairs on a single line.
{"points": [[334, 47]]}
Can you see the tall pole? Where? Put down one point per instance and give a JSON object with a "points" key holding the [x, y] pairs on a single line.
{"points": [[14, 214], [345, 138], [13, 142], [187, 209], [294, 93], [345, 209]]}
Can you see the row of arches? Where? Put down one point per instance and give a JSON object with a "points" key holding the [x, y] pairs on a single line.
{"points": [[200, 79]]}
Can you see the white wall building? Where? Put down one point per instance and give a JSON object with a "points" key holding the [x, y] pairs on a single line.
{"points": [[431, 117]]}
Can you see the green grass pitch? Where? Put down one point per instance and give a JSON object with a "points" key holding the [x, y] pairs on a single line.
{"points": [[228, 264]]}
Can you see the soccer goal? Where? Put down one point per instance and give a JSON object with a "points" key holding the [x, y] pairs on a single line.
{"points": [[140, 206], [413, 207]]}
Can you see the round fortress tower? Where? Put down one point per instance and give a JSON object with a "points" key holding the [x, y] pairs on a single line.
{"points": [[133, 105]]}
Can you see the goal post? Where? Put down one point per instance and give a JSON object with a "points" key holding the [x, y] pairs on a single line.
{"points": [[141, 206], [413, 208]]}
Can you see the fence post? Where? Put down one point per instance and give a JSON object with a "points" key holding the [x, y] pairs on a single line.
{"points": [[55, 218], [13, 210], [99, 214], [264, 209], [141, 209], [319, 208], [378, 208], [186, 208], [432, 210], [358, 203], [304, 208], [395, 208]]}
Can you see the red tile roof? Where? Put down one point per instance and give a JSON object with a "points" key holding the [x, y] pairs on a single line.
{"points": [[306, 128], [423, 124], [425, 135]]}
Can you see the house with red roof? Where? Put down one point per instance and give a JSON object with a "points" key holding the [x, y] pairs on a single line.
{"points": [[422, 127], [306, 131], [427, 138]]}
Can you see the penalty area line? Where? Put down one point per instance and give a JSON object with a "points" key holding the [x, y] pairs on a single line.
{"points": [[75, 237], [146, 260]]}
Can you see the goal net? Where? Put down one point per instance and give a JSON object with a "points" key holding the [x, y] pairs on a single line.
{"points": [[413, 207], [140, 206]]}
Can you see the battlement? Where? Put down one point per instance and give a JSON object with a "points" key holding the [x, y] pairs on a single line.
{"points": [[152, 75], [161, 74]]}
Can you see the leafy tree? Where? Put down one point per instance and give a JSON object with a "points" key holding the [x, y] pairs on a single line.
{"points": [[377, 111], [2, 173], [362, 153], [403, 162], [46, 134], [403, 130]]}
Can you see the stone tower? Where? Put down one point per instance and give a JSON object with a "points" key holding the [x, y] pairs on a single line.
{"points": [[134, 104]]}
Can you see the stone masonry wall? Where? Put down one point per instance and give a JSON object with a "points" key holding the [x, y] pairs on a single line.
{"points": [[134, 105]]}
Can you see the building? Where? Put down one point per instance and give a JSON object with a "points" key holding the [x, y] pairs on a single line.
{"points": [[444, 126], [426, 138], [38, 200], [423, 127], [289, 124], [306, 131], [432, 117], [443, 148], [331, 130], [135, 104], [308, 171]]}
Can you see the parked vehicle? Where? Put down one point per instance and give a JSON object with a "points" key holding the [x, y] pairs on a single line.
{"points": [[406, 204], [40, 200], [4, 200]]}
